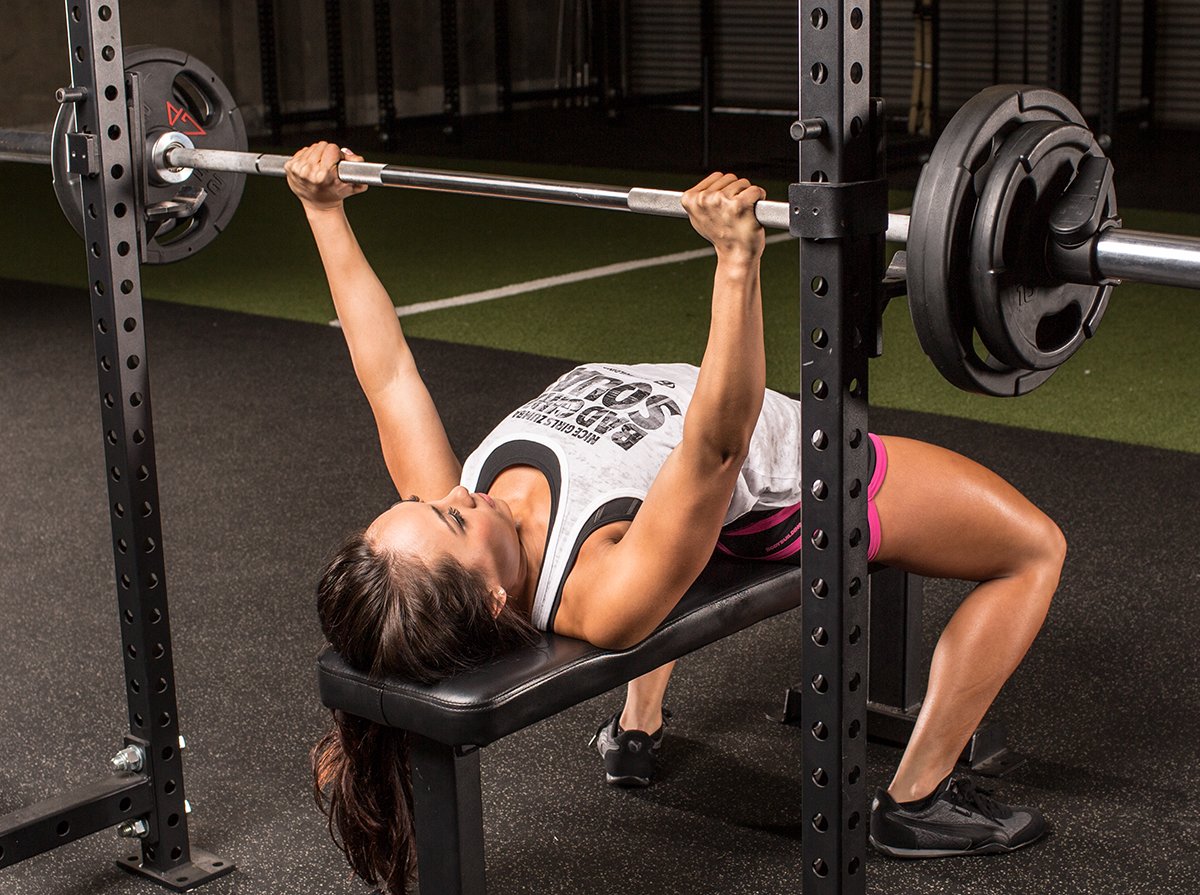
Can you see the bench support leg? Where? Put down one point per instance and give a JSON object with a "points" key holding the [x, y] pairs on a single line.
{"points": [[448, 813]]}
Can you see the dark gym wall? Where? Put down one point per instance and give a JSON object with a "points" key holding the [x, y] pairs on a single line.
{"points": [[982, 42], [224, 34]]}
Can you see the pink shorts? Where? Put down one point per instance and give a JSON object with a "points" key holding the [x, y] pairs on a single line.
{"points": [[775, 535]]}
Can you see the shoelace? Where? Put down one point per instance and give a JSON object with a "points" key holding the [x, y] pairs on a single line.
{"points": [[977, 798], [666, 716]]}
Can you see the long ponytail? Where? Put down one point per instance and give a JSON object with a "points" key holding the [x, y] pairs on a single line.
{"points": [[387, 613]]}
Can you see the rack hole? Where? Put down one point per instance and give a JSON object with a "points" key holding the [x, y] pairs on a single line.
{"points": [[169, 787], [114, 132], [856, 18], [105, 13], [108, 53], [99, 287], [855, 635], [819, 19], [855, 126], [125, 804], [855, 488], [119, 209], [819, 440], [855, 73], [143, 473], [820, 490], [161, 686], [122, 546], [819, 337], [138, 436], [820, 868], [155, 614], [105, 363], [167, 753], [855, 727], [819, 285], [819, 73], [126, 288], [132, 653], [819, 823], [95, 250], [173, 820], [164, 720], [63, 828], [133, 361], [820, 731], [853, 821], [820, 540], [135, 400], [819, 777], [119, 509], [79, 54], [148, 545], [102, 325], [109, 400], [115, 472], [820, 636], [856, 435], [855, 682], [820, 588], [147, 508], [135, 685], [820, 389], [819, 684], [111, 436], [152, 582], [855, 586], [175, 853], [122, 249], [853, 866], [159, 651], [855, 538], [129, 616], [126, 582]]}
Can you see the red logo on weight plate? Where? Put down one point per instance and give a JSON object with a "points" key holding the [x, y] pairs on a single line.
{"points": [[180, 118]]}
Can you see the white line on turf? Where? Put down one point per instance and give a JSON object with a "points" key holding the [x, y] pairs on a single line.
{"points": [[591, 273]]}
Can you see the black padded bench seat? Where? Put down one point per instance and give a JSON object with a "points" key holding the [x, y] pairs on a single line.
{"points": [[449, 721], [518, 689]]}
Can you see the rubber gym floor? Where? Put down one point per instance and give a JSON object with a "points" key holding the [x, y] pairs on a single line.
{"points": [[267, 455]]}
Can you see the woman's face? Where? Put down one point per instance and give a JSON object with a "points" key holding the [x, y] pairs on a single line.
{"points": [[475, 529]]}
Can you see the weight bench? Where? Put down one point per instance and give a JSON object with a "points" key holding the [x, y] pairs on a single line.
{"points": [[451, 720]]}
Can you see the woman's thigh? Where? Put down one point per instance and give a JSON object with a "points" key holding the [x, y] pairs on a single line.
{"points": [[944, 515]]}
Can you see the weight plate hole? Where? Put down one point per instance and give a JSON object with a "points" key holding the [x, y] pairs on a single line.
{"points": [[1054, 331]]}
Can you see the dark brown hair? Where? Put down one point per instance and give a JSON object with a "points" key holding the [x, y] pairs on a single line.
{"points": [[387, 613]]}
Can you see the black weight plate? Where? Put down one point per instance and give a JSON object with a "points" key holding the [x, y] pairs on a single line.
{"points": [[1026, 316], [181, 93], [943, 212], [178, 93]]}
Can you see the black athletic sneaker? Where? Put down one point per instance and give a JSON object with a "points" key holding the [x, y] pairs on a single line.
{"points": [[629, 755], [955, 819]]}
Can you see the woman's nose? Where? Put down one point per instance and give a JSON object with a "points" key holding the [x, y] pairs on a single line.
{"points": [[460, 493]]}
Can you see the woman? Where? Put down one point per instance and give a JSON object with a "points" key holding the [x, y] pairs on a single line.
{"points": [[538, 529]]}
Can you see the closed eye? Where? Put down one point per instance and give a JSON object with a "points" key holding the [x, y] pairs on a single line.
{"points": [[457, 517]]}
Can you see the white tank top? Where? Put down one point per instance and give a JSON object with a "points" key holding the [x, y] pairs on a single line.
{"points": [[600, 434]]}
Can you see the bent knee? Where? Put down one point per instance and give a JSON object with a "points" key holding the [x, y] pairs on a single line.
{"points": [[1046, 547]]}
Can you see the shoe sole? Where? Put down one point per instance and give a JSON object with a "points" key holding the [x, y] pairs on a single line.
{"points": [[992, 848], [628, 781]]}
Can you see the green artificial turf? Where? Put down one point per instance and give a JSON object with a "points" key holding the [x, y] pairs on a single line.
{"points": [[1136, 382]]}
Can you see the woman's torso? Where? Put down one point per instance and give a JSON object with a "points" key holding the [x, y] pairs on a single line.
{"points": [[598, 436]]}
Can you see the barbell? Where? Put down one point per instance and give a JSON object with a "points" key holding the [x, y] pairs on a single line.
{"points": [[1013, 241]]}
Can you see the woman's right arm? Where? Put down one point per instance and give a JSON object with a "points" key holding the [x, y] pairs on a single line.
{"points": [[636, 581], [414, 442]]}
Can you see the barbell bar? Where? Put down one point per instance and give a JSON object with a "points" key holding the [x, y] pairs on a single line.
{"points": [[1119, 254]]}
